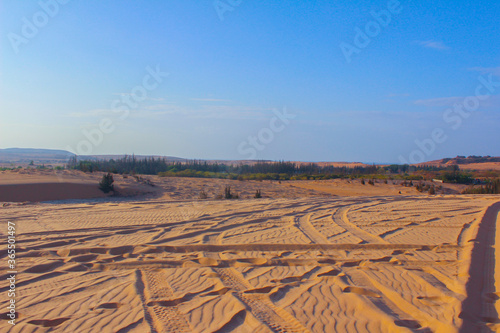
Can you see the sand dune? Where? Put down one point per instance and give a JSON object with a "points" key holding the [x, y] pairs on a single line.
{"points": [[48, 191], [306, 264]]}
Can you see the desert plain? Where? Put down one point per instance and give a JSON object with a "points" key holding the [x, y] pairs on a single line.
{"points": [[310, 256]]}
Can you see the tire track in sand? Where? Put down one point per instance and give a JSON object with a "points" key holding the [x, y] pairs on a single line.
{"points": [[304, 224], [480, 308], [156, 291], [340, 217], [261, 307]]}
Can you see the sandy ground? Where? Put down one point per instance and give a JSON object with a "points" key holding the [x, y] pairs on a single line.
{"points": [[46, 185], [25, 185], [301, 260], [481, 166]]}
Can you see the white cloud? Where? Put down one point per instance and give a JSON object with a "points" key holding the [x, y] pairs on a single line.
{"points": [[90, 113], [443, 101], [487, 70], [432, 44], [231, 112], [485, 101], [202, 112], [210, 100], [398, 95]]}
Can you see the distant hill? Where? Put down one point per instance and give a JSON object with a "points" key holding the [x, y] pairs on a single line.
{"points": [[115, 157], [26, 155], [53, 156], [23, 156], [469, 162]]}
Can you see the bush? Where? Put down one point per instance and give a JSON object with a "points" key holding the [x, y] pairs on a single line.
{"points": [[457, 177], [203, 194], [432, 190], [492, 187], [228, 194], [106, 183]]}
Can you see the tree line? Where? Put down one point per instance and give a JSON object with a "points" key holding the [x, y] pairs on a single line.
{"points": [[280, 170]]}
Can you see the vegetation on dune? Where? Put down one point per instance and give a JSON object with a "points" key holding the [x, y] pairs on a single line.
{"points": [[203, 195], [282, 170], [228, 194], [491, 187], [432, 190], [106, 183]]}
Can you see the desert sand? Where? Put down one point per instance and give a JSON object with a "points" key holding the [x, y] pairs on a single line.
{"points": [[299, 260]]}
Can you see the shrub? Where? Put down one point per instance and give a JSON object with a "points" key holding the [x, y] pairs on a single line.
{"points": [[492, 187], [228, 194], [432, 190], [106, 183], [203, 194]]}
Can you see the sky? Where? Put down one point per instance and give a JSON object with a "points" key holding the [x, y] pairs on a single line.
{"points": [[345, 80]]}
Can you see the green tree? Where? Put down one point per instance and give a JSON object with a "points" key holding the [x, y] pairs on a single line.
{"points": [[106, 183]]}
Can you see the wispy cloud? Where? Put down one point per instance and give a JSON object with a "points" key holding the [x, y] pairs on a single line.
{"points": [[442, 101], [146, 112], [209, 111], [487, 70], [210, 100], [486, 101], [432, 44], [231, 112], [163, 107], [90, 113], [398, 95], [156, 99]]}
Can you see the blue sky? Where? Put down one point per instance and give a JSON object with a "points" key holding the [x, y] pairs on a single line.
{"points": [[233, 66]]}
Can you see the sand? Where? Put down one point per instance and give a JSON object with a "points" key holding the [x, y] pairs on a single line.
{"points": [[29, 185], [300, 260]]}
